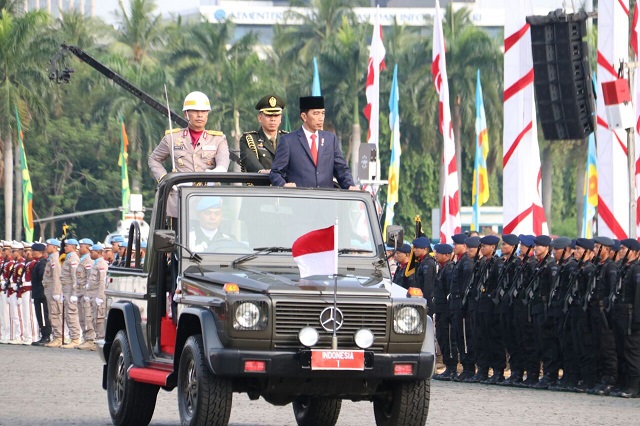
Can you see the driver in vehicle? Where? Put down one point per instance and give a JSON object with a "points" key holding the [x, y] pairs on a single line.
{"points": [[205, 223]]}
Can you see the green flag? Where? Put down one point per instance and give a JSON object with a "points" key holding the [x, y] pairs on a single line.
{"points": [[287, 125], [27, 190], [122, 162]]}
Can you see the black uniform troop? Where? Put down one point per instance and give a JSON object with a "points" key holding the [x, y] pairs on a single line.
{"points": [[564, 315]]}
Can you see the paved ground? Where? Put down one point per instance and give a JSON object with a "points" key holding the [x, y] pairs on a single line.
{"points": [[40, 386]]}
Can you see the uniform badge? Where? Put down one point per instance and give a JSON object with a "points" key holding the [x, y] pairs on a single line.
{"points": [[180, 162], [272, 101], [260, 145]]}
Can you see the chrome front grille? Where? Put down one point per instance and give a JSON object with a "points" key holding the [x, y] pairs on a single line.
{"points": [[290, 317]]}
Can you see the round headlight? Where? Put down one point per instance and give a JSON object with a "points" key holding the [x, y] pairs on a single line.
{"points": [[247, 315], [364, 338], [308, 336], [407, 320]]}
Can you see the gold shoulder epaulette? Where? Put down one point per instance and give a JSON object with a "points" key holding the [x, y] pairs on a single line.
{"points": [[282, 132], [215, 132], [166, 132]]}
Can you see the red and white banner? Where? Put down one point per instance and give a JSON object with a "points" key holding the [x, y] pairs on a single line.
{"points": [[372, 87], [316, 252], [613, 175], [635, 42], [450, 206], [522, 178]]}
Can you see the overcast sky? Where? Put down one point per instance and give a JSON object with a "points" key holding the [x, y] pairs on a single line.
{"points": [[105, 8]]}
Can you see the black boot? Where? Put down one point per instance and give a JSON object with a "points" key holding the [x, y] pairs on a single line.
{"points": [[544, 383], [478, 377], [446, 375], [530, 381], [44, 340], [514, 380]]}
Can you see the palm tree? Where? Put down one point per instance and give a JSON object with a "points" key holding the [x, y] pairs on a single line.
{"points": [[24, 44], [140, 29]]}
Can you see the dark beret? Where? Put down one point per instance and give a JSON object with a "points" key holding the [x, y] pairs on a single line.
{"points": [[616, 245], [561, 243], [38, 247], [526, 240], [510, 239], [586, 243], [490, 240], [422, 242], [443, 248], [573, 243], [459, 238], [631, 244], [542, 240], [311, 102], [604, 241], [405, 248], [472, 242]]}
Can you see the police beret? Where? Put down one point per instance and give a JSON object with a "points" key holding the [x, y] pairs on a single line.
{"points": [[86, 241], [143, 244], [603, 241], [117, 239], [616, 245], [490, 240], [472, 242], [38, 247], [573, 243], [97, 247], [542, 240], [510, 239], [631, 244], [585, 243], [405, 248], [311, 102], [459, 238], [271, 105], [71, 242], [526, 240], [422, 242], [53, 242], [443, 248], [561, 243], [209, 203]]}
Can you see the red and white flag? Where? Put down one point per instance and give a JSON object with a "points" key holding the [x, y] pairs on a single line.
{"points": [[316, 252], [635, 41], [372, 86], [450, 208]]}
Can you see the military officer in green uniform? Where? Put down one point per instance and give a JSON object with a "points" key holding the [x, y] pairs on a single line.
{"points": [[258, 148]]}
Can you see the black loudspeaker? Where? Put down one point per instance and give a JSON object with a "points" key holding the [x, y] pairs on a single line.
{"points": [[562, 75]]}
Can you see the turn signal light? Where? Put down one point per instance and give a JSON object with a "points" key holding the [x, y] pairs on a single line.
{"points": [[255, 366], [414, 292], [231, 288], [403, 370]]}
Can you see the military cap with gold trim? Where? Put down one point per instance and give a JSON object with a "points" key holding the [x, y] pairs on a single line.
{"points": [[271, 105]]}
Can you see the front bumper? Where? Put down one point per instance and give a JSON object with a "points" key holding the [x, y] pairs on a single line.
{"points": [[230, 363]]}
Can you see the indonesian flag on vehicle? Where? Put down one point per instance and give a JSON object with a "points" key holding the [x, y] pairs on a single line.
{"points": [[316, 252]]}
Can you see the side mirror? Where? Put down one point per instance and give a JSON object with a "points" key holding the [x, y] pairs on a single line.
{"points": [[395, 236], [164, 240]]}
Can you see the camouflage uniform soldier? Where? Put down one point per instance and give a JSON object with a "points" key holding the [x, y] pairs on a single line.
{"points": [[82, 275], [96, 294], [194, 148], [258, 148], [53, 291], [69, 291]]}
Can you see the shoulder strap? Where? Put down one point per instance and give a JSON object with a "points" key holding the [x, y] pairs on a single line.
{"points": [[215, 132]]}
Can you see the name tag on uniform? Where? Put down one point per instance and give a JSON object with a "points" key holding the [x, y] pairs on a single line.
{"points": [[209, 148]]}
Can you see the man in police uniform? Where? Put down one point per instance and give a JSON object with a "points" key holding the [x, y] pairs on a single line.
{"points": [[402, 257], [194, 148], [69, 292], [53, 291], [425, 276], [258, 148], [444, 280]]}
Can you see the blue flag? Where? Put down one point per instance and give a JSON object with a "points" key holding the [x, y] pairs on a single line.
{"points": [[315, 89]]}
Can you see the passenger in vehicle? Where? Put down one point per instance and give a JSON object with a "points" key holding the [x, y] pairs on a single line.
{"points": [[204, 224]]}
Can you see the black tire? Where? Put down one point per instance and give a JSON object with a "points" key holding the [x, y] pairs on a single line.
{"points": [[203, 398], [316, 411], [130, 403], [407, 404]]}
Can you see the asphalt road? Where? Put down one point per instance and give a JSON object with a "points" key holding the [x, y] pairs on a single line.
{"points": [[41, 386]]}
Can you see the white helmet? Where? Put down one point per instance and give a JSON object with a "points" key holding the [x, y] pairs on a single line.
{"points": [[196, 101]]}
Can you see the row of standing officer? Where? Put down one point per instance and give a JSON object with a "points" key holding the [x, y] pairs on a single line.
{"points": [[561, 305]]}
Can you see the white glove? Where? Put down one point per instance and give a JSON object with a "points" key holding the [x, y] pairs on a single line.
{"points": [[73, 299], [14, 287], [99, 301], [56, 297], [86, 286], [4, 286], [87, 299]]}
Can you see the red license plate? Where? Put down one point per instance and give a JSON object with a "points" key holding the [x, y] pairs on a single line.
{"points": [[327, 359]]}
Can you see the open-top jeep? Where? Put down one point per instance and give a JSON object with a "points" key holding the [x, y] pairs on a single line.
{"points": [[217, 312]]}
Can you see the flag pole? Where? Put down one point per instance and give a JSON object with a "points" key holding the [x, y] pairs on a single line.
{"points": [[334, 337]]}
